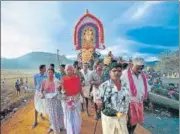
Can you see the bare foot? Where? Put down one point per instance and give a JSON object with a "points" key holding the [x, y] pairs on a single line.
{"points": [[49, 131], [42, 118], [34, 125], [88, 114], [62, 129]]}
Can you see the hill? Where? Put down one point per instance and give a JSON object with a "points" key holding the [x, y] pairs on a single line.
{"points": [[152, 63], [32, 60]]}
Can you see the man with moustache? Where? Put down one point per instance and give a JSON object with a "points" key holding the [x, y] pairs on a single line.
{"points": [[138, 85]]}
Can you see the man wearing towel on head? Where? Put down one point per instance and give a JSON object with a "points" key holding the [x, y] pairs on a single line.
{"points": [[139, 88]]}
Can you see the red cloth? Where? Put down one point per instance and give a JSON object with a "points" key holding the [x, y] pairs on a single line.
{"points": [[71, 85], [132, 85], [136, 113]]}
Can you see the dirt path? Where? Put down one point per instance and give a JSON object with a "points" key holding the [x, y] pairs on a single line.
{"points": [[22, 120]]}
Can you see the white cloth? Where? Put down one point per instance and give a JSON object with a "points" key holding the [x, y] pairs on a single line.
{"points": [[95, 91], [139, 86], [81, 99], [96, 94], [72, 117], [114, 125], [40, 104], [86, 83], [86, 91]]}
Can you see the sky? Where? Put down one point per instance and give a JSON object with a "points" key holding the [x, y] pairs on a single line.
{"points": [[131, 28]]}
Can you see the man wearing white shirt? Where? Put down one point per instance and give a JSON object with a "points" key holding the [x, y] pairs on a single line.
{"points": [[139, 88], [86, 84]]}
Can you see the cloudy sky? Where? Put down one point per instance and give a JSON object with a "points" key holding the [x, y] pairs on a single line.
{"points": [[131, 28]]}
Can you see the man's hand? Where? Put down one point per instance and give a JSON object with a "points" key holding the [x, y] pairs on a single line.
{"points": [[59, 87], [97, 84], [82, 94], [127, 118], [99, 104], [92, 82], [42, 95]]}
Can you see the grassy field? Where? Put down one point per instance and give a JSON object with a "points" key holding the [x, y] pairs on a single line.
{"points": [[8, 91]]}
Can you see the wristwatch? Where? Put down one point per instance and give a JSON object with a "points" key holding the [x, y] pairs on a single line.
{"points": [[119, 114]]}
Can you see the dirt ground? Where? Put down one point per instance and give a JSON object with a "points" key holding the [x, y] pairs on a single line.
{"points": [[21, 123], [8, 92]]}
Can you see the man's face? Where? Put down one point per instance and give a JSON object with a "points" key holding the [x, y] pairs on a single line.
{"points": [[99, 67], [51, 67], [44, 69], [62, 69], [138, 68], [70, 70], [105, 67], [76, 70], [85, 66], [116, 73]]}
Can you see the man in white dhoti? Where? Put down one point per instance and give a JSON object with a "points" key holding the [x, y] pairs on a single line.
{"points": [[96, 80], [71, 87], [38, 102], [114, 102], [86, 84], [138, 85]]}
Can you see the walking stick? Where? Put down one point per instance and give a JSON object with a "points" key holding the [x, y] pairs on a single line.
{"points": [[96, 126], [98, 117]]}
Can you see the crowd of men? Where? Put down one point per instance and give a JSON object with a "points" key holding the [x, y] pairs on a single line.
{"points": [[115, 91]]}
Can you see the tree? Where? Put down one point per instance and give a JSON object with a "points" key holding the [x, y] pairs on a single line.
{"points": [[169, 62]]}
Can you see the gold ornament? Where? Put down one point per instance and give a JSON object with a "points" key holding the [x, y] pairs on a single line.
{"points": [[88, 38], [107, 60], [87, 55]]}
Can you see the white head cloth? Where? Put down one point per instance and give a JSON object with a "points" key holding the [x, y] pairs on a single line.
{"points": [[138, 61]]}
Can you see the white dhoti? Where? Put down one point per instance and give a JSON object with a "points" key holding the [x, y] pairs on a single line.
{"points": [[96, 94], [72, 116], [114, 125], [81, 99], [86, 91], [40, 104]]}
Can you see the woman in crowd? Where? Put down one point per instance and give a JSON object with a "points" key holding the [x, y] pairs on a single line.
{"points": [[54, 107]]}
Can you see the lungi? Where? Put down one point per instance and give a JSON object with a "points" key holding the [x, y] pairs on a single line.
{"points": [[55, 114], [40, 104], [136, 113], [114, 125], [72, 116]]}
